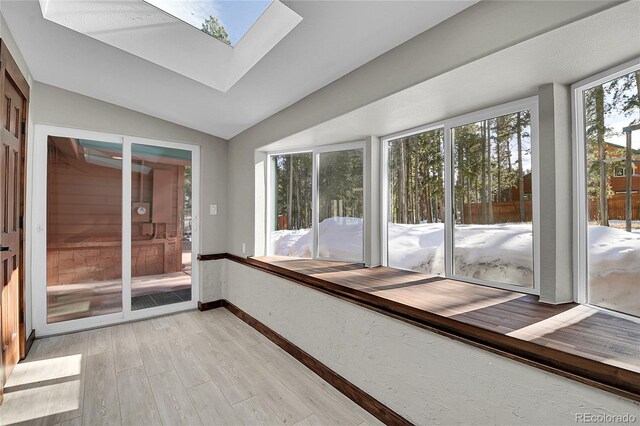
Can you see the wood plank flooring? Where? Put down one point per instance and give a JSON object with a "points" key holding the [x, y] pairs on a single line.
{"points": [[576, 329], [190, 368]]}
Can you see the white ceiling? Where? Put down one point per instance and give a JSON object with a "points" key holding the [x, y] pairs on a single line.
{"points": [[333, 39], [143, 30]]}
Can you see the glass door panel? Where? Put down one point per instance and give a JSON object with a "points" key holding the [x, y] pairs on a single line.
{"points": [[84, 228], [492, 185], [161, 200], [340, 202]]}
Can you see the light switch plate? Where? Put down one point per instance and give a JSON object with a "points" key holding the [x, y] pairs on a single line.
{"points": [[213, 209]]}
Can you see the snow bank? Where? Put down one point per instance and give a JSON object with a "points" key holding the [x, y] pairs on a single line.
{"points": [[499, 253], [613, 250], [338, 238]]}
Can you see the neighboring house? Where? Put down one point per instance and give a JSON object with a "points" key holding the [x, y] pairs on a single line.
{"points": [[618, 182]]}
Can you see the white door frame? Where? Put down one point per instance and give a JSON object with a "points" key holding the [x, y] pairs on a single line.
{"points": [[38, 252]]}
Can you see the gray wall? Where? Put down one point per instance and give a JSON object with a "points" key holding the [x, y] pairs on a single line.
{"points": [[477, 32]]}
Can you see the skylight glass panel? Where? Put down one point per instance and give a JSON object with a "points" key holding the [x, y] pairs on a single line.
{"points": [[226, 20]]}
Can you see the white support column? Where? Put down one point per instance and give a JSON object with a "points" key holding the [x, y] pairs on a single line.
{"points": [[261, 209], [555, 201], [372, 203]]}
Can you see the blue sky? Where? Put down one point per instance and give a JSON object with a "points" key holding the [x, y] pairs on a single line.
{"points": [[237, 16]]}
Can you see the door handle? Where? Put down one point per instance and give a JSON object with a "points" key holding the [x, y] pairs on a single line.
{"points": [[5, 248]]}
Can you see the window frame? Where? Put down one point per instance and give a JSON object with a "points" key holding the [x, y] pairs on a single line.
{"points": [[531, 104], [315, 151], [579, 178]]}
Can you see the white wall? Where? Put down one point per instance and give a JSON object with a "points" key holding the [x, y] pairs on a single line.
{"points": [[425, 377], [55, 106]]}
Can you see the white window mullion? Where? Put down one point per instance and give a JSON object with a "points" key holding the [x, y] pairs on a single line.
{"points": [[384, 201], [449, 208], [535, 189], [126, 227], [315, 205]]}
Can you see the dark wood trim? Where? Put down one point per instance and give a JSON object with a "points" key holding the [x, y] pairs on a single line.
{"points": [[216, 256], [29, 342], [206, 306], [357, 395], [607, 377]]}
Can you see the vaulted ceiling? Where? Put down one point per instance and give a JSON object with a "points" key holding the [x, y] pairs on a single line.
{"points": [[326, 44]]}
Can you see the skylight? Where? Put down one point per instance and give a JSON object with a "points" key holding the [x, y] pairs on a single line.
{"points": [[234, 16], [143, 29]]}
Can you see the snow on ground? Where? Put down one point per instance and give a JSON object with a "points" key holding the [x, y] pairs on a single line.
{"points": [[499, 253], [614, 268], [338, 238], [613, 250]]}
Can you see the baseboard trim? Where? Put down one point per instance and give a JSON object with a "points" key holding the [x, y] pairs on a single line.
{"points": [[351, 391], [205, 306]]}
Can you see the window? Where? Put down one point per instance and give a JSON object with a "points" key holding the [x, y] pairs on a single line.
{"points": [[340, 205], [317, 203], [292, 201], [493, 230], [460, 197], [416, 209], [608, 208]]}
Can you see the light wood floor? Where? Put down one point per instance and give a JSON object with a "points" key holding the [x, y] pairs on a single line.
{"points": [[190, 368]]}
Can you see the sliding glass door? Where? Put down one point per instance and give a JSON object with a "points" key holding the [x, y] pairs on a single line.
{"points": [[161, 221], [84, 228], [119, 215]]}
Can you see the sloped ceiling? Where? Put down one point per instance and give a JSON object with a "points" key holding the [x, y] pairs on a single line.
{"points": [[143, 30], [332, 39]]}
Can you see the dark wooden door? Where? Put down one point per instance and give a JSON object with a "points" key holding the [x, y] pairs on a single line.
{"points": [[12, 132]]}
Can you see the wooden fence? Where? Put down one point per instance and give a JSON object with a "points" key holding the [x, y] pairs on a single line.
{"points": [[616, 206], [503, 212], [509, 211]]}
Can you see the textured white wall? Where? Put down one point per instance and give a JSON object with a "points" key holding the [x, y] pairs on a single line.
{"points": [[425, 377], [213, 279]]}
